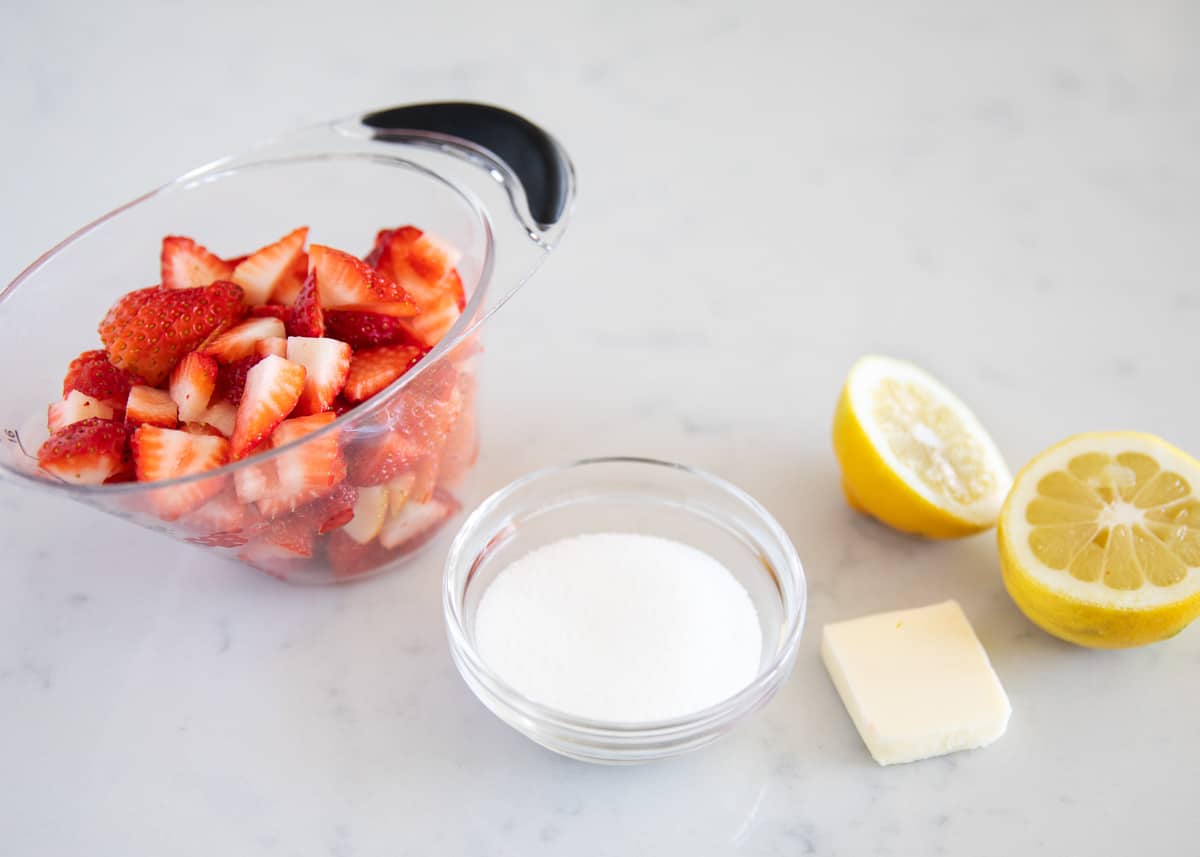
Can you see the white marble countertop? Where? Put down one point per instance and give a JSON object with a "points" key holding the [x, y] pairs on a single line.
{"points": [[1007, 193]]}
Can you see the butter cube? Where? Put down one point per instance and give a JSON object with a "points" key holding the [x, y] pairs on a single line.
{"points": [[917, 683]]}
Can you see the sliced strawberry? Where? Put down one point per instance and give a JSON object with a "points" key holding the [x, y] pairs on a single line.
{"points": [[263, 270], [161, 454], [400, 491], [311, 469], [425, 479], [231, 379], [148, 331], [330, 512], [192, 383], [361, 330], [278, 547], [255, 482], [461, 448], [379, 459], [351, 559], [429, 326], [273, 387], [417, 522], [240, 340], [222, 416], [327, 362], [276, 345], [270, 311], [370, 511], [220, 522], [419, 263], [343, 279], [150, 406], [186, 264], [91, 374], [306, 317], [372, 370], [285, 293], [76, 407], [88, 452]]}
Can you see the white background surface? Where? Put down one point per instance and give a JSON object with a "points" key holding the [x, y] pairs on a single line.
{"points": [[1004, 192]]}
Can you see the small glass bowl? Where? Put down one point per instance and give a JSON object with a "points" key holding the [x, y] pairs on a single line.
{"points": [[636, 496]]}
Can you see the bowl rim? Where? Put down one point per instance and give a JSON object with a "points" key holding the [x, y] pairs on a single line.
{"points": [[631, 733], [224, 169]]}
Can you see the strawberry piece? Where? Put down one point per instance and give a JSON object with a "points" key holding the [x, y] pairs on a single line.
{"points": [[150, 406], [285, 293], [148, 331], [361, 330], [351, 559], [270, 311], [91, 374], [255, 482], [231, 379], [88, 452], [278, 547], [327, 363], [219, 522], [419, 263], [263, 270], [370, 511], [310, 470], [76, 407], [186, 264], [380, 459], [461, 448], [192, 383], [331, 511], [416, 523], [429, 326], [343, 279], [373, 370], [273, 387], [306, 317], [240, 340], [276, 345], [160, 454], [222, 416]]}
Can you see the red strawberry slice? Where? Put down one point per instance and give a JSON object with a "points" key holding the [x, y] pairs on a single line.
{"points": [[76, 407], [350, 559], [264, 270], [270, 311], [372, 370], [311, 469], [343, 279], [416, 523], [429, 326], [285, 293], [148, 331], [276, 345], [186, 264], [192, 383], [279, 547], [327, 362], [240, 340], [161, 454], [380, 459], [88, 452], [273, 387], [150, 406], [231, 379], [219, 522], [255, 482], [222, 416], [91, 374], [306, 317], [361, 330], [419, 263]]}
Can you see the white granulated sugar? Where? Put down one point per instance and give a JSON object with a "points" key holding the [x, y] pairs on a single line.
{"points": [[620, 627]]}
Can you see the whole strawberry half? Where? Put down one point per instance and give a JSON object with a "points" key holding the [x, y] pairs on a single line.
{"points": [[150, 330]]}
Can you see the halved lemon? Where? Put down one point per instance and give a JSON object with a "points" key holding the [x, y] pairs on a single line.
{"points": [[913, 455], [1100, 540]]}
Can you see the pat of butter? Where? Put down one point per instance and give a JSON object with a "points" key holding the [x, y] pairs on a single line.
{"points": [[917, 683]]}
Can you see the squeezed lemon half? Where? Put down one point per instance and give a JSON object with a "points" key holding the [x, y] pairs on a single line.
{"points": [[913, 455], [1100, 540]]}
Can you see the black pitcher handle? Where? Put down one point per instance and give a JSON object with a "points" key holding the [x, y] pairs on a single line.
{"points": [[538, 161]]}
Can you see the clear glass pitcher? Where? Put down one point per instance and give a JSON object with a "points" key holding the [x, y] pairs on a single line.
{"points": [[489, 182]]}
